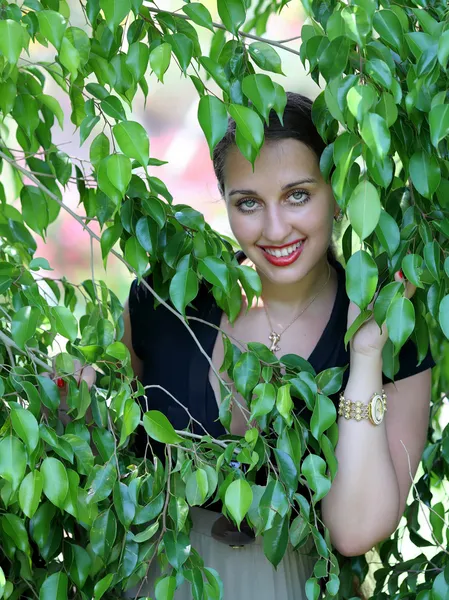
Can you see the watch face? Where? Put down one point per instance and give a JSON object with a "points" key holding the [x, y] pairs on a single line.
{"points": [[377, 409]]}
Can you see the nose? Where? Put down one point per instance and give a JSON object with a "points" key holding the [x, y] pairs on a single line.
{"points": [[276, 227]]}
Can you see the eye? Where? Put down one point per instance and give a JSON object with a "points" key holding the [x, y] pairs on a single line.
{"points": [[299, 197], [247, 205]]}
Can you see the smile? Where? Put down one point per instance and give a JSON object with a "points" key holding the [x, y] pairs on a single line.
{"points": [[282, 256]]}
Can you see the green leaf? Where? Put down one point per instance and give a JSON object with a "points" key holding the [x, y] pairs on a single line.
{"points": [[69, 57], [387, 109], [232, 13], [440, 587], [299, 531], [333, 59], [246, 373], [159, 428], [213, 118], [357, 23], [197, 486], [264, 401], [55, 482], [400, 321], [425, 173], [102, 586], [52, 26], [314, 470], [113, 107], [323, 416], [24, 325], [412, 267], [136, 256], [14, 527], [183, 289], [216, 71], [380, 72], [312, 589], [265, 57], [177, 548], [26, 427], [443, 48], [147, 533], [305, 388], [361, 278], [52, 104], [238, 499], [259, 89], [137, 60], [439, 123], [443, 315], [388, 233], [216, 272], [388, 26], [119, 172], [284, 403], [103, 482], [182, 47], [81, 565], [376, 135], [360, 99], [384, 299], [99, 149], [30, 493], [123, 503], [55, 586], [115, 12], [11, 40], [103, 534], [275, 540], [199, 15], [364, 316], [364, 209], [248, 124], [165, 588], [86, 127], [287, 470], [160, 60], [65, 322], [133, 141]]}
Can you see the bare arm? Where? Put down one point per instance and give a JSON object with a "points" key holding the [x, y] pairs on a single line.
{"points": [[370, 490]]}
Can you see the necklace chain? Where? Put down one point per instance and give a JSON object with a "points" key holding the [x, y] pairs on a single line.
{"points": [[274, 337]]}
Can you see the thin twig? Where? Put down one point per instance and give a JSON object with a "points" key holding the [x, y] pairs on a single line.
{"points": [[220, 26], [24, 171], [420, 502], [9, 343]]}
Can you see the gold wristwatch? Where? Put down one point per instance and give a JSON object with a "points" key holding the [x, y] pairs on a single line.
{"points": [[374, 410]]}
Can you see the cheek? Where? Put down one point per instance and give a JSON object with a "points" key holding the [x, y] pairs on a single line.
{"points": [[246, 228]]}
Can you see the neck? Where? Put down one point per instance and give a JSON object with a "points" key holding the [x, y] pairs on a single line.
{"points": [[296, 295]]}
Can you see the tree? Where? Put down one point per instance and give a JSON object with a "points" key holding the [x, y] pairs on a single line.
{"points": [[80, 516]]}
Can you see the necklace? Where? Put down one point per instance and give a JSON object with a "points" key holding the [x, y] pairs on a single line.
{"points": [[275, 337]]}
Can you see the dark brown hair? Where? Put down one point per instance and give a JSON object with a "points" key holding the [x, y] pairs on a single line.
{"points": [[297, 125]]}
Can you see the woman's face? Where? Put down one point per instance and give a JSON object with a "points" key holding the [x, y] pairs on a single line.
{"points": [[282, 212]]}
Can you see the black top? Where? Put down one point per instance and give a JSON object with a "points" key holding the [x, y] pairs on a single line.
{"points": [[172, 360]]}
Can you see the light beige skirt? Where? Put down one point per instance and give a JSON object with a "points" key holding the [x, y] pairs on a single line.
{"points": [[245, 571]]}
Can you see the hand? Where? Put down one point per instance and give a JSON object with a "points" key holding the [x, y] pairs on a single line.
{"points": [[369, 339], [81, 373]]}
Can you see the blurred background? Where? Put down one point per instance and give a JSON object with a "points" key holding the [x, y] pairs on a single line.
{"points": [[170, 117]]}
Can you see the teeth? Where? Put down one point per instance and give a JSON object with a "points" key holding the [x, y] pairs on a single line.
{"points": [[283, 251]]}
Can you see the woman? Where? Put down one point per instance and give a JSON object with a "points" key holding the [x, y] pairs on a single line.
{"points": [[281, 214]]}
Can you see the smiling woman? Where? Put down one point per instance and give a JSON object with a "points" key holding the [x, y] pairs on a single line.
{"points": [[281, 213]]}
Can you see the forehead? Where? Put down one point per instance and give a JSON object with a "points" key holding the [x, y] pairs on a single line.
{"points": [[279, 162]]}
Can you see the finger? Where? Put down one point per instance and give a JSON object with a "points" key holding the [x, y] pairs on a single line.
{"points": [[409, 288], [89, 375]]}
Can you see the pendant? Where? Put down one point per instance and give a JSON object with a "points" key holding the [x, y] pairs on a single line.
{"points": [[274, 339]]}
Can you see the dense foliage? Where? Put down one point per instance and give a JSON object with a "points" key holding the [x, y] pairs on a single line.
{"points": [[80, 515]]}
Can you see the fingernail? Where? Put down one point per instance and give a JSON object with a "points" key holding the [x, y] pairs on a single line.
{"points": [[60, 382], [400, 274]]}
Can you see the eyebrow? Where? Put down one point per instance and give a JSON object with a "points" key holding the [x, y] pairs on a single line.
{"points": [[285, 187]]}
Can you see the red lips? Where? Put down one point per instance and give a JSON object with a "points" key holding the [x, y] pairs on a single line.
{"points": [[283, 261]]}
